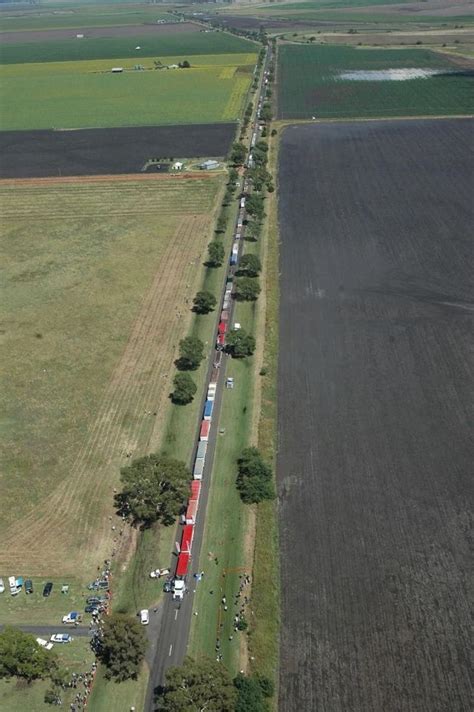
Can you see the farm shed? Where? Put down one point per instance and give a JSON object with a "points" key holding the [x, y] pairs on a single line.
{"points": [[209, 165]]}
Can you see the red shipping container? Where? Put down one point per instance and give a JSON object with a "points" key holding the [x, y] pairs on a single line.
{"points": [[205, 426], [183, 563], [191, 511], [187, 537], [195, 490]]}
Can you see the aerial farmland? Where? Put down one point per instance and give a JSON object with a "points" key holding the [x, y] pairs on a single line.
{"points": [[374, 395], [104, 245], [236, 348]]}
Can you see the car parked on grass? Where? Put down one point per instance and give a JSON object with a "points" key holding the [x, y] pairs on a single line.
{"points": [[61, 638], [98, 585], [72, 617], [48, 587], [2, 586], [28, 586], [44, 643], [144, 616], [96, 599], [94, 608]]}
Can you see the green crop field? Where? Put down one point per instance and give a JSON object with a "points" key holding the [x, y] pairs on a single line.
{"points": [[159, 45], [88, 95], [94, 275], [310, 84], [89, 16]]}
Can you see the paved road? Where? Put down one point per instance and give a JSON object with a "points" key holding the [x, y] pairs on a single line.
{"points": [[175, 617], [47, 631]]}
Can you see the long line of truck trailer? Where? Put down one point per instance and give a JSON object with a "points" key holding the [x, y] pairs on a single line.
{"points": [[189, 519]]}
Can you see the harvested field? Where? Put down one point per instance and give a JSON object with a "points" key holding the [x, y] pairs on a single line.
{"points": [[93, 309], [312, 83], [28, 154], [91, 33], [435, 8], [375, 448]]}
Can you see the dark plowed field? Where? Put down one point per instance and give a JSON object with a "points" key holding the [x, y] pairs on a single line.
{"points": [[88, 152], [375, 450]]}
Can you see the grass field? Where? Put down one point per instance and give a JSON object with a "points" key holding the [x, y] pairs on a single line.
{"points": [[88, 95], [90, 16], [182, 43], [310, 84], [92, 306], [18, 695]]}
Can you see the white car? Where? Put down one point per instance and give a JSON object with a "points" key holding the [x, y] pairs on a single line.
{"points": [[44, 643], [2, 586], [144, 617], [61, 638]]}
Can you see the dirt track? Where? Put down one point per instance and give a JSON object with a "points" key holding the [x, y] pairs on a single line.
{"points": [[135, 177], [375, 451]]}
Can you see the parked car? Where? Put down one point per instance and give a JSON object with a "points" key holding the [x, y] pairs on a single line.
{"points": [[168, 586], [144, 617], [61, 638], [96, 599], [44, 643], [28, 586], [98, 585], [2, 586], [72, 617], [48, 587], [93, 607]]}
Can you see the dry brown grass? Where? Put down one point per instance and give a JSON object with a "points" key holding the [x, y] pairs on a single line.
{"points": [[68, 528]]}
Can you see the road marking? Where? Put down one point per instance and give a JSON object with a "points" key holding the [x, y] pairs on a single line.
{"points": [[171, 650], [176, 614]]}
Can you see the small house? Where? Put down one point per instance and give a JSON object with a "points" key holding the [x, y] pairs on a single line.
{"points": [[177, 166]]}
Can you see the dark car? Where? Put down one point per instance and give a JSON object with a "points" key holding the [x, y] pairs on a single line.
{"points": [[28, 586], [168, 586], [92, 607], [96, 599], [47, 589]]}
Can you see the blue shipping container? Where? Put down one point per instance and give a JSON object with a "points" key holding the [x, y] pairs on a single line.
{"points": [[209, 405]]}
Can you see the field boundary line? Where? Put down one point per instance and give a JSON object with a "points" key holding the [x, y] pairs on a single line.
{"points": [[106, 178]]}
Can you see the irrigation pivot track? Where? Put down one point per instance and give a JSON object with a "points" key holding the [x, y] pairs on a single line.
{"points": [[375, 387]]}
